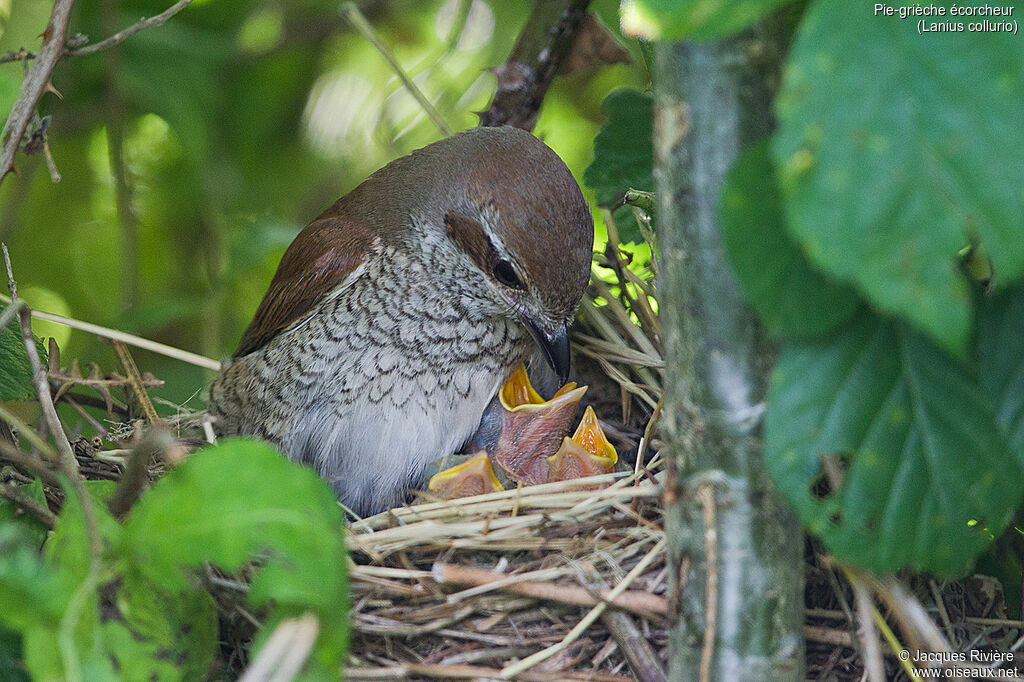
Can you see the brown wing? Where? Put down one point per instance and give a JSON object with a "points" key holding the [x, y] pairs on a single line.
{"points": [[315, 264]]}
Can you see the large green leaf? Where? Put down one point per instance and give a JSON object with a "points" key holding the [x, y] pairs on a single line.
{"points": [[789, 296], [241, 500], [623, 155], [696, 19], [928, 474], [15, 371], [1000, 351], [895, 150]]}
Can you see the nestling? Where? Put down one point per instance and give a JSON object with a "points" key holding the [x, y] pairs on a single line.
{"points": [[396, 315]]}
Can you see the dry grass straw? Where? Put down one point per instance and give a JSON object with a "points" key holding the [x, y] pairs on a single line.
{"points": [[510, 584]]}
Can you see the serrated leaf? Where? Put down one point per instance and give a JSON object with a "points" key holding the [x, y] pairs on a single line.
{"points": [[930, 476], [1000, 352], [884, 184], [789, 296], [623, 155], [693, 19], [241, 500], [15, 371]]}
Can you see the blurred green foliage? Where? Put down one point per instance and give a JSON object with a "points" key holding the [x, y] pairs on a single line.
{"points": [[135, 610], [240, 122]]}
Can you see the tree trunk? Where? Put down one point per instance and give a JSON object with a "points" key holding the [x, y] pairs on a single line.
{"points": [[736, 549]]}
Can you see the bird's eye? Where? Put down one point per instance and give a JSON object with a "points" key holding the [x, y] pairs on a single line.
{"points": [[506, 274]]}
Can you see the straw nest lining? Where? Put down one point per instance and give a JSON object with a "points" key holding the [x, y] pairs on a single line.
{"points": [[556, 581]]}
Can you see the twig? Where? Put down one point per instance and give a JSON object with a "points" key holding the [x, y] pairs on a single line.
{"points": [[9, 453], [130, 339], [873, 665], [140, 25], [69, 464], [134, 479], [27, 504], [50, 419], [9, 312], [19, 55], [25, 430], [360, 24], [135, 381], [515, 669], [642, 603], [284, 653], [526, 75], [706, 497], [468, 672], [638, 652], [34, 85]]}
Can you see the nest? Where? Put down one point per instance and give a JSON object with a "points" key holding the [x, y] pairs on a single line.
{"points": [[550, 582]]}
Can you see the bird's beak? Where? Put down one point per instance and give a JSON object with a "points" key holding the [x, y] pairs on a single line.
{"points": [[555, 346]]}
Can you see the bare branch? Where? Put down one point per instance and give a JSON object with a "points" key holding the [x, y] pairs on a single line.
{"points": [[34, 85], [68, 462], [27, 504], [140, 25], [130, 339], [19, 55], [525, 77]]}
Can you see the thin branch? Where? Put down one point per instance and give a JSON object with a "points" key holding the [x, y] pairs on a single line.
{"points": [[27, 504], [639, 602], [140, 25], [514, 669], [526, 75], [68, 462], [130, 339], [135, 477], [10, 312], [363, 27], [23, 460], [285, 651], [19, 55], [34, 85], [25, 430], [131, 371], [42, 383], [706, 496]]}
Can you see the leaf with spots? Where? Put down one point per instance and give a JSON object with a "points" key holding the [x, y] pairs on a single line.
{"points": [[790, 297], [895, 151], [889, 449]]}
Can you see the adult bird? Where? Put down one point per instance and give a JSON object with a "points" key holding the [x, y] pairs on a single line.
{"points": [[395, 316]]}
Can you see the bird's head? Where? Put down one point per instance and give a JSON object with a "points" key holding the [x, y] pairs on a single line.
{"points": [[519, 216]]}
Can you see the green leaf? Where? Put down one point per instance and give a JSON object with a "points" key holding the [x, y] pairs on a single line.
{"points": [[241, 500], [929, 475], [623, 155], [895, 151], [1000, 351], [15, 371], [695, 19], [789, 296], [157, 634], [12, 668], [29, 590], [9, 512]]}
